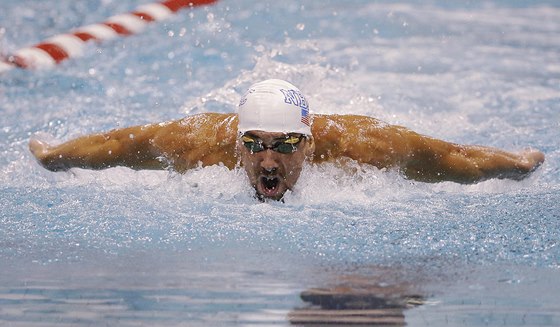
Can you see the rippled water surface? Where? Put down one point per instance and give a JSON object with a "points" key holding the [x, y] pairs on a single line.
{"points": [[154, 248]]}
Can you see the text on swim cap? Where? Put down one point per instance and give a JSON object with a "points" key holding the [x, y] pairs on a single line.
{"points": [[296, 98]]}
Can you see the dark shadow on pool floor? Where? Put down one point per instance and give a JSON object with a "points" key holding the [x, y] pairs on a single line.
{"points": [[357, 300]]}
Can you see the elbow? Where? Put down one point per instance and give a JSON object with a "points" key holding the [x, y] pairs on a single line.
{"points": [[442, 175]]}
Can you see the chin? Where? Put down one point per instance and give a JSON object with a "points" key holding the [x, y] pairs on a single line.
{"points": [[264, 198]]}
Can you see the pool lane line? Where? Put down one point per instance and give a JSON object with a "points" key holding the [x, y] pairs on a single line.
{"points": [[58, 48]]}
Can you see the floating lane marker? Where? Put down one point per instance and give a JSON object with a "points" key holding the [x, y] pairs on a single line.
{"points": [[64, 46]]}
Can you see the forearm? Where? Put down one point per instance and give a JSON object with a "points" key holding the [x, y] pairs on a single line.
{"points": [[435, 160]]}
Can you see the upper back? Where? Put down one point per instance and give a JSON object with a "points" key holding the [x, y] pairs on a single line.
{"points": [[210, 138]]}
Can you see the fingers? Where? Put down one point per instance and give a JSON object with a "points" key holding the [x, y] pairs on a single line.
{"points": [[38, 148], [532, 159], [44, 155]]}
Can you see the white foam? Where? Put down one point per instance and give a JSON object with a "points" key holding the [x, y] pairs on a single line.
{"points": [[4, 67], [470, 79]]}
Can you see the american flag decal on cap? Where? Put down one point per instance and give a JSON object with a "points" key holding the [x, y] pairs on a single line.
{"points": [[305, 116]]}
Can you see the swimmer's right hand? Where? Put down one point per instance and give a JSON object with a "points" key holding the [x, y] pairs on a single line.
{"points": [[38, 148], [42, 152]]}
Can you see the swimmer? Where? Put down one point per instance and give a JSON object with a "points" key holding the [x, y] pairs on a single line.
{"points": [[273, 135]]}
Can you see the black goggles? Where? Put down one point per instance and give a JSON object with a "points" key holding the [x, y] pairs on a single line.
{"points": [[286, 146]]}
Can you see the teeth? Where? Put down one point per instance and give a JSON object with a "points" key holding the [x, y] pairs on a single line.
{"points": [[270, 182]]}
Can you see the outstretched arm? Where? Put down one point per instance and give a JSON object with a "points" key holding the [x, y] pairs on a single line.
{"points": [[205, 139], [419, 157], [434, 160], [131, 147]]}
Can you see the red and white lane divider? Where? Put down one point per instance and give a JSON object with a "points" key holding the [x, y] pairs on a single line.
{"points": [[70, 45]]}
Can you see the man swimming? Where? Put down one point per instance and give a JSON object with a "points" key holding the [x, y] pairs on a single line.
{"points": [[273, 135]]}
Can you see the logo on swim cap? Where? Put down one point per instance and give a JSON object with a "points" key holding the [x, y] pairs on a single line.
{"points": [[274, 106], [296, 98]]}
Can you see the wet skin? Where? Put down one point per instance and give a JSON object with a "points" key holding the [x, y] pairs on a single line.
{"points": [[212, 138], [270, 172]]}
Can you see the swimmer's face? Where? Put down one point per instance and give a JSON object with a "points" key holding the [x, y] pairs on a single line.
{"points": [[273, 161]]}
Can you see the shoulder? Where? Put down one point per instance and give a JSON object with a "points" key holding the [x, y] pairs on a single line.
{"points": [[208, 119], [333, 134], [207, 139], [361, 138], [200, 127], [203, 123], [326, 125]]}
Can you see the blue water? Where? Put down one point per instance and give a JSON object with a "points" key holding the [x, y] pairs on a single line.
{"points": [[126, 248]]}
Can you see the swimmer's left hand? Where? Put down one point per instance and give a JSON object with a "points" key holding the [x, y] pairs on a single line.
{"points": [[531, 159]]}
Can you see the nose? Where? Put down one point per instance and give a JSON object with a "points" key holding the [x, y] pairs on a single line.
{"points": [[268, 162]]}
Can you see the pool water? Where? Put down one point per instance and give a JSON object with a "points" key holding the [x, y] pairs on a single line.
{"points": [[155, 248]]}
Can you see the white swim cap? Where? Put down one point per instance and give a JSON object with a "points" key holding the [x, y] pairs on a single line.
{"points": [[274, 106]]}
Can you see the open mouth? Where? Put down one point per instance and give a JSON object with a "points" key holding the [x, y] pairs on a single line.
{"points": [[270, 183], [270, 186]]}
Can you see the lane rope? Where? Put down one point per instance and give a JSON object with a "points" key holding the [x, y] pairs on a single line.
{"points": [[58, 48]]}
